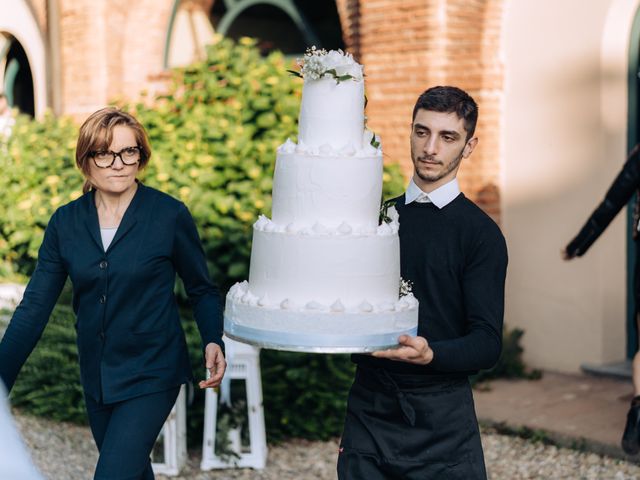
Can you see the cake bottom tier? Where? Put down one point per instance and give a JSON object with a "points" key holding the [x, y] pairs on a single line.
{"points": [[318, 331]]}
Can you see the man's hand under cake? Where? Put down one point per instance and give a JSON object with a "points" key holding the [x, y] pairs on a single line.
{"points": [[411, 350], [216, 364]]}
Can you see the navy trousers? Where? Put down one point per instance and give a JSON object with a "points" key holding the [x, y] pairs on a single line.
{"points": [[125, 433], [410, 427]]}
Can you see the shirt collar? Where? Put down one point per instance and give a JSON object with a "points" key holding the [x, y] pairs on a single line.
{"points": [[440, 197]]}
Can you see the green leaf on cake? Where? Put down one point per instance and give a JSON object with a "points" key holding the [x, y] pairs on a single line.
{"points": [[295, 74], [338, 78], [344, 78], [374, 142]]}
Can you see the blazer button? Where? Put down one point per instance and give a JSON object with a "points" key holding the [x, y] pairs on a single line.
{"points": [[103, 298], [103, 264], [101, 335]]}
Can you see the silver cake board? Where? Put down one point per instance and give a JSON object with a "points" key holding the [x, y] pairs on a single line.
{"points": [[315, 342]]}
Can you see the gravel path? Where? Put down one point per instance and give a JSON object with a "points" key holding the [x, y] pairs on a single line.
{"points": [[67, 452]]}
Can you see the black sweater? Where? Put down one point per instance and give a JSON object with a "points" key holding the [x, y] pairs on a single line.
{"points": [[456, 258]]}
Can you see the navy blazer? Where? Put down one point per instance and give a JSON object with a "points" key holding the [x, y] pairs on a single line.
{"points": [[130, 341]]}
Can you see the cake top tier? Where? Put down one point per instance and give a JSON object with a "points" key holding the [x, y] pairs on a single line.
{"points": [[332, 109]]}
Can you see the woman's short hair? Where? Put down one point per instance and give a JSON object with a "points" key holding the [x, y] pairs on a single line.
{"points": [[96, 133]]}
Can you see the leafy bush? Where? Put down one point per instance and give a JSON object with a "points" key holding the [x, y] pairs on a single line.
{"points": [[214, 137], [38, 175], [305, 395]]}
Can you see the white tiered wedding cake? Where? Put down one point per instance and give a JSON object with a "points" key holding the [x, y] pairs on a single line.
{"points": [[324, 275]]}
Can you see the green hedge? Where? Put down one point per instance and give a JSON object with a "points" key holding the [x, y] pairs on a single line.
{"points": [[214, 137]]}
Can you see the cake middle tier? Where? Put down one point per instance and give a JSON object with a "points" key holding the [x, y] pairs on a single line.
{"points": [[330, 190], [319, 270], [331, 113]]}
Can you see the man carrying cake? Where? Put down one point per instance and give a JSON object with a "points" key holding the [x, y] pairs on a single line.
{"points": [[410, 412]]}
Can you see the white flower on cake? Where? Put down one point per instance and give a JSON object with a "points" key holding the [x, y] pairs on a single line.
{"points": [[318, 63], [406, 287]]}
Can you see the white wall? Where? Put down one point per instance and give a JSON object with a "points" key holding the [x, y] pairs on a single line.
{"points": [[564, 141]]}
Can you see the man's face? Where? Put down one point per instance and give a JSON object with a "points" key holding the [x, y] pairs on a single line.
{"points": [[438, 144]]}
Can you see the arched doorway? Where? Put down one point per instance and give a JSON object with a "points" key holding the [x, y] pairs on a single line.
{"points": [[22, 57], [16, 75]]}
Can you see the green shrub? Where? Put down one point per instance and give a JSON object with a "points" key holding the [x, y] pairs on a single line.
{"points": [[305, 395], [38, 175]]}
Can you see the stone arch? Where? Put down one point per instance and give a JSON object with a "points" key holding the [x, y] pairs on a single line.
{"points": [[191, 25], [293, 13], [18, 23]]}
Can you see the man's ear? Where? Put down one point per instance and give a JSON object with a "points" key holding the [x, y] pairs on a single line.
{"points": [[468, 148]]}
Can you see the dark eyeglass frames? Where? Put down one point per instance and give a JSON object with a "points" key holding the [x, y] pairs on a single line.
{"points": [[106, 158]]}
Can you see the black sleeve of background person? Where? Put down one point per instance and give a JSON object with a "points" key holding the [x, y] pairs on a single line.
{"points": [[618, 195]]}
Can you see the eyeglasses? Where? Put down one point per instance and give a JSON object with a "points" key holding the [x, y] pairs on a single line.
{"points": [[106, 158]]}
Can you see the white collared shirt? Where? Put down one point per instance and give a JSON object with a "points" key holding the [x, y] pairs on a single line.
{"points": [[440, 197]]}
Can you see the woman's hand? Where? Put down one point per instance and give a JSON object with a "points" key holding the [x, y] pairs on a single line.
{"points": [[412, 350], [215, 363]]}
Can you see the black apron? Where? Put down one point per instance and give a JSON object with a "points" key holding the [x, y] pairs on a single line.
{"points": [[410, 427]]}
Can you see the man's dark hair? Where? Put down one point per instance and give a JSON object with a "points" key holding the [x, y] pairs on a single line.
{"points": [[450, 99]]}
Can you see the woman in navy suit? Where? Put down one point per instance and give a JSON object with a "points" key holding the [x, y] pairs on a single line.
{"points": [[121, 244]]}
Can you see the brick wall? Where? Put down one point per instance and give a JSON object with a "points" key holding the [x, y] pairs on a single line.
{"points": [[109, 49], [410, 45]]}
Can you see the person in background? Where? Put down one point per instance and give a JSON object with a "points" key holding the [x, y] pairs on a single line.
{"points": [[121, 244], [619, 194], [410, 410]]}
